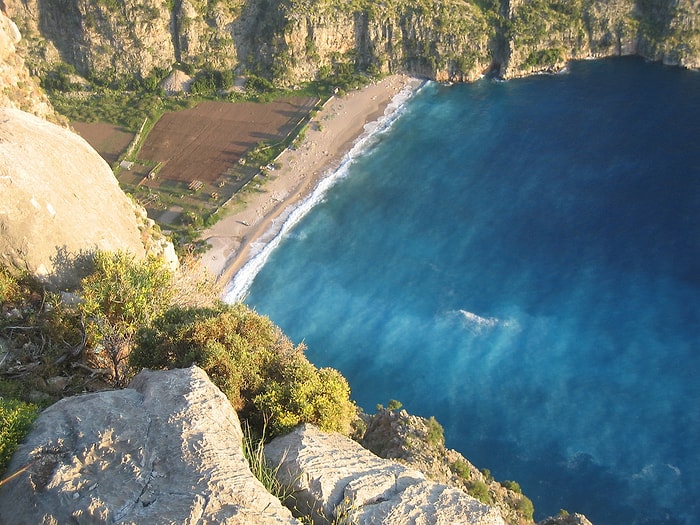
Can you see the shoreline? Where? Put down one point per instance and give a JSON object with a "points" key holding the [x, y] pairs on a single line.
{"points": [[330, 136]]}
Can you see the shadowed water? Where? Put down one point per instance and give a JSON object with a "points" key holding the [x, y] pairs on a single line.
{"points": [[522, 260]]}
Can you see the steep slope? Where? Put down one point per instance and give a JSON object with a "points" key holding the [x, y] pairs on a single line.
{"points": [[17, 88], [292, 41]]}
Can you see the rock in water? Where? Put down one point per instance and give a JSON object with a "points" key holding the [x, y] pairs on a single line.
{"points": [[165, 450], [60, 199], [332, 477]]}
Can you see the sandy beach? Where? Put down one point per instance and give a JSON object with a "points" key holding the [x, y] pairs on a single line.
{"points": [[329, 137]]}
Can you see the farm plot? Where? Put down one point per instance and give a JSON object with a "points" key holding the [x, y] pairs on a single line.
{"points": [[108, 140], [202, 143]]}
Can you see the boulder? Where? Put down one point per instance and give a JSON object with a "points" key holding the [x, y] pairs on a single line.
{"points": [[165, 450], [60, 200], [332, 477]]}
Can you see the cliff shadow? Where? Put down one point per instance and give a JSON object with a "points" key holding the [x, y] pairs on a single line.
{"points": [[60, 22]]}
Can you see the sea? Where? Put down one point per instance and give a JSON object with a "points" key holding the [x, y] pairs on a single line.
{"points": [[521, 260]]}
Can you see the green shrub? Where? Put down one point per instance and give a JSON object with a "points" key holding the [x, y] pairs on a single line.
{"points": [[525, 507], [436, 434], [512, 485], [394, 405], [15, 422], [119, 297], [461, 468], [266, 378], [124, 292], [480, 491], [9, 288]]}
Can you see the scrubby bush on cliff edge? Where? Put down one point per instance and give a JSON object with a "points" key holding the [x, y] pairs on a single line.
{"points": [[267, 379], [119, 297], [51, 349]]}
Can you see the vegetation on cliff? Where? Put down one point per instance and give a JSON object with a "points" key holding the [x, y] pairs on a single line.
{"points": [[289, 42], [129, 314]]}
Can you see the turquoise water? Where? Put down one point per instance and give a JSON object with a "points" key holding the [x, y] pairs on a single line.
{"points": [[522, 260]]}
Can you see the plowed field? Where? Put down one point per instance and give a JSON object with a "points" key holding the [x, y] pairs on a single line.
{"points": [[108, 140], [203, 142]]}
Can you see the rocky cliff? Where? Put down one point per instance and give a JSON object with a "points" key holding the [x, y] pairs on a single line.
{"points": [[332, 477], [169, 449], [61, 201], [17, 88], [292, 41]]}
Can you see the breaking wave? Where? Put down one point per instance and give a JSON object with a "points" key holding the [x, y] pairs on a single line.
{"points": [[237, 289]]}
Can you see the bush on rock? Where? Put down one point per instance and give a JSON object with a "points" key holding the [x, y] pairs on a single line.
{"points": [[268, 380]]}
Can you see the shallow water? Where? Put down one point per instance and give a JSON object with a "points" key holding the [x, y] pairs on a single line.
{"points": [[522, 260]]}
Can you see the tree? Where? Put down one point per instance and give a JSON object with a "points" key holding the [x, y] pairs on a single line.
{"points": [[118, 298]]}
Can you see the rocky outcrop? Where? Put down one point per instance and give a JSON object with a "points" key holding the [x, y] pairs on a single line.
{"points": [[61, 202], [108, 39], [165, 450], [418, 443], [168, 449], [17, 88], [332, 477], [566, 519]]}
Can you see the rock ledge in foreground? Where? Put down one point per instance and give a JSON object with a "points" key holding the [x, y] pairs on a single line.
{"points": [[165, 450]]}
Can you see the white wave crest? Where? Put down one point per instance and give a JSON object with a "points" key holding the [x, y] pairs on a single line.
{"points": [[238, 287], [473, 319], [478, 324]]}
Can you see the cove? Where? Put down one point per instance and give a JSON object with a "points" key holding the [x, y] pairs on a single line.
{"points": [[521, 260]]}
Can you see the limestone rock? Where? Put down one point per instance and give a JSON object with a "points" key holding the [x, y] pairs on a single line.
{"points": [[60, 199], [570, 519], [17, 88], [165, 450], [333, 477], [403, 437]]}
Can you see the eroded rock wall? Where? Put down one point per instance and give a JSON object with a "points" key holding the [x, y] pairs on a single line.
{"points": [[292, 41], [17, 88], [334, 478]]}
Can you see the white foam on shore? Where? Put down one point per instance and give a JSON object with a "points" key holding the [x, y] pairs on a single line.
{"points": [[261, 250]]}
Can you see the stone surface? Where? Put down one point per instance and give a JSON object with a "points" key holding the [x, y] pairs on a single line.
{"points": [[571, 519], [398, 435], [333, 477], [165, 450], [60, 200]]}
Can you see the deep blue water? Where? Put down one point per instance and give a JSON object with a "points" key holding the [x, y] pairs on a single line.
{"points": [[522, 261]]}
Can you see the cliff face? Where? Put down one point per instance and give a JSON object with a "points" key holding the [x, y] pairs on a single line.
{"points": [[292, 41], [17, 88], [168, 449]]}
